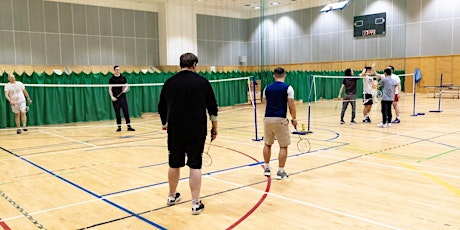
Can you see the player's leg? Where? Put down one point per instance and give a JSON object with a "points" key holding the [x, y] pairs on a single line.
{"points": [[194, 149], [396, 108], [269, 139], [284, 140], [344, 108], [124, 107], [176, 160], [116, 108], [353, 110]]}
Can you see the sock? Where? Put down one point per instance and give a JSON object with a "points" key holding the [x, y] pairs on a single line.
{"points": [[197, 201], [267, 166], [281, 169]]}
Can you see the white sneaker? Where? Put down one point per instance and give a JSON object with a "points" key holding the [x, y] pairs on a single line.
{"points": [[381, 125]]}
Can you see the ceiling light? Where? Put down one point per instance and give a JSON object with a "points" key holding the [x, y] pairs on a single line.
{"points": [[274, 3], [256, 7], [335, 6]]}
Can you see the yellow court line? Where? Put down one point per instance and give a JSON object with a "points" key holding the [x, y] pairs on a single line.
{"points": [[436, 179]]}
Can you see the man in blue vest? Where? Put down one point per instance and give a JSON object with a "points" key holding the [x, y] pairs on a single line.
{"points": [[278, 96]]}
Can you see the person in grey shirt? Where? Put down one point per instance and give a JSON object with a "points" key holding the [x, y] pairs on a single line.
{"points": [[388, 91]]}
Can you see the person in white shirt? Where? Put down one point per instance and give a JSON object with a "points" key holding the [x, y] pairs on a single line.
{"points": [[16, 94], [368, 81]]}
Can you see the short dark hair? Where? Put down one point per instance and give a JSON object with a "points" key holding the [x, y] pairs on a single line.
{"points": [[188, 60], [368, 68], [115, 67], [348, 72], [279, 72], [387, 71], [391, 67]]}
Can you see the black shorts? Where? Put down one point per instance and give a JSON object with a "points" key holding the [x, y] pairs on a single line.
{"points": [[190, 146], [367, 99]]}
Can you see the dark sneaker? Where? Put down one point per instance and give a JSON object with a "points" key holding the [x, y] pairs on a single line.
{"points": [[396, 121], [119, 129], [24, 129], [367, 120], [18, 131], [131, 128], [174, 200], [267, 172], [281, 175], [352, 122], [342, 122], [197, 208]]}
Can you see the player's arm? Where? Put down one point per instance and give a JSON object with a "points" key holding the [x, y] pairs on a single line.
{"points": [[340, 91], [24, 91], [7, 97], [264, 99], [292, 108], [212, 111], [363, 73]]}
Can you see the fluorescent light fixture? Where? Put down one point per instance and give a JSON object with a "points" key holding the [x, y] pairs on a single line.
{"points": [[256, 7], [275, 3], [335, 6]]}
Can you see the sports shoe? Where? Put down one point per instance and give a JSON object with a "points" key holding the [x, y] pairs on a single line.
{"points": [[197, 207], [396, 121], [267, 171], [388, 125], [352, 122], [24, 129], [367, 120], [119, 129], [281, 175], [18, 131], [381, 125], [342, 122], [174, 200], [131, 128]]}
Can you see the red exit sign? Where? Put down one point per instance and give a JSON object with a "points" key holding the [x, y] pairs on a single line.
{"points": [[369, 32]]}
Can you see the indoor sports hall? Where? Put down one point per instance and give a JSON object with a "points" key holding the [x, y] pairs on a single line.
{"points": [[70, 168]]}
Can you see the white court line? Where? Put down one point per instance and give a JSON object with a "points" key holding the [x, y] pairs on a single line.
{"points": [[63, 137], [207, 176], [308, 204]]}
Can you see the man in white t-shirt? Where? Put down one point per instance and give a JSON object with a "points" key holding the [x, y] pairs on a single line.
{"points": [[397, 91], [368, 81], [16, 94]]}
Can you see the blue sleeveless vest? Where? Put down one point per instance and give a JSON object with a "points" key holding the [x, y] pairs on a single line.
{"points": [[276, 95]]}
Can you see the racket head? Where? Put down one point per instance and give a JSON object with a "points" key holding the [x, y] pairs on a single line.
{"points": [[206, 158], [303, 145], [27, 109]]}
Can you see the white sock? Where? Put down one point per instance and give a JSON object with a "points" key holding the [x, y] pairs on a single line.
{"points": [[267, 166], [281, 169]]}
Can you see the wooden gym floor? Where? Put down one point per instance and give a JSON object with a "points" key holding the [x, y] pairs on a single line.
{"points": [[87, 176]]}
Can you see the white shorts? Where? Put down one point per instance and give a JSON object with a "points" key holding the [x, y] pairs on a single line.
{"points": [[19, 107]]}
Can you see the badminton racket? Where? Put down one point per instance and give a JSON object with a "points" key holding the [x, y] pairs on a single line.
{"points": [[303, 144], [125, 89], [207, 159]]}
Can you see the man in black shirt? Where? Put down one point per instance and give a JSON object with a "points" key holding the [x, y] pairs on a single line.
{"points": [[184, 99], [350, 95], [118, 96]]}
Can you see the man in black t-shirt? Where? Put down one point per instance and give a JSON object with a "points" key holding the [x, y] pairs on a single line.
{"points": [[118, 96], [184, 99], [350, 95]]}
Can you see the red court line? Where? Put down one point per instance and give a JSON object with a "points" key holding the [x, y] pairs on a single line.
{"points": [[3, 224], [261, 200]]}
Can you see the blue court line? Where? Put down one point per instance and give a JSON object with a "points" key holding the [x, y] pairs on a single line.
{"points": [[86, 190], [147, 166]]}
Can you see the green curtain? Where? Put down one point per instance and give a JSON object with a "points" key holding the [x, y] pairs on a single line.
{"points": [[58, 105]]}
